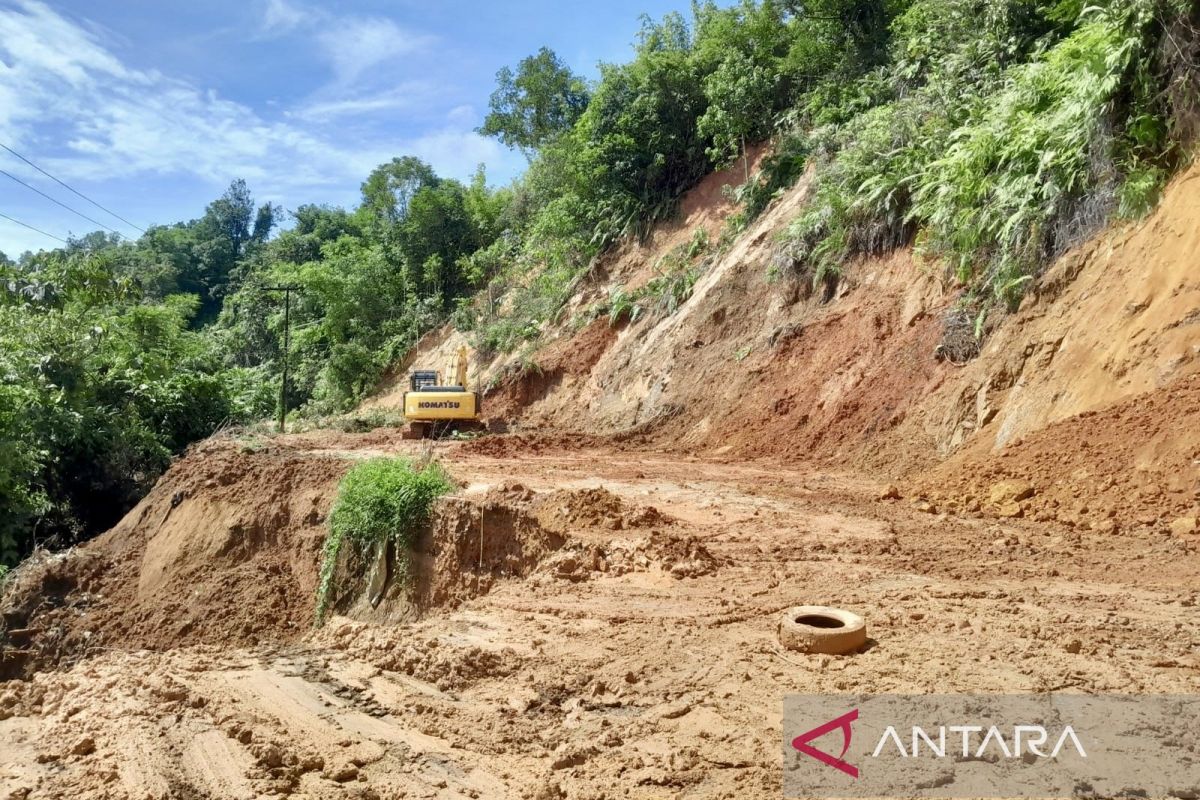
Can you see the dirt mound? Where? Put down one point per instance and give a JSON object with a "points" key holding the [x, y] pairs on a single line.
{"points": [[450, 563], [450, 666], [224, 549], [571, 509], [674, 555], [1133, 465]]}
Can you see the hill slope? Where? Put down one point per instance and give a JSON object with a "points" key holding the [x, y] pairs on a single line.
{"points": [[753, 365]]}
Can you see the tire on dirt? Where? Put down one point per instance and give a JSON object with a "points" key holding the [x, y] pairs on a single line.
{"points": [[820, 629]]}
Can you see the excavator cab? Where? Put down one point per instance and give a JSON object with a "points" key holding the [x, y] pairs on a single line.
{"points": [[422, 379]]}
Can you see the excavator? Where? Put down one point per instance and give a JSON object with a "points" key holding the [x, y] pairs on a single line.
{"points": [[435, 406]]}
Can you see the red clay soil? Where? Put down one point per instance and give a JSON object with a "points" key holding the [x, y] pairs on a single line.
{"points": [[830, 387], [1135, 464], [565, 358], [224, 549], [822, 387]]}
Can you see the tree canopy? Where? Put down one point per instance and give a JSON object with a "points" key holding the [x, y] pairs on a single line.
{"points": [[535, 105]]}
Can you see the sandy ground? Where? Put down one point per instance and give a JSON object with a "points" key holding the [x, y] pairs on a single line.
{"points": [[658, 674]]}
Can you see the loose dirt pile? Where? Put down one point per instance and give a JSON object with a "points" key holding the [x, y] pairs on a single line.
{"points": [[571, 509], [448, 666], [677, 556], [1134, 465], [223, 550]]}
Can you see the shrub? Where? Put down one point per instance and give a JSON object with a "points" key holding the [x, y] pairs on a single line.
{"points": [[779, 169], [381, 500], [1034, 171], [623, 306], [671, 290]]}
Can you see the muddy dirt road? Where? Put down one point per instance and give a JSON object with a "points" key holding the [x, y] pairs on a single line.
{"points": [[638, 660]]}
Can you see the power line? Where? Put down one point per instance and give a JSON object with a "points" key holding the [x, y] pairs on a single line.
{"points": [[70, 189], [59, 202], [36, 230]]}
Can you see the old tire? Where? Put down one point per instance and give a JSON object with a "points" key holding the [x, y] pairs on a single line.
{"points": [[819, 629]]}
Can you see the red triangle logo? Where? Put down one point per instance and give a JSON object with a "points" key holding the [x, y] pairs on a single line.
{"points": [[801, 742]]}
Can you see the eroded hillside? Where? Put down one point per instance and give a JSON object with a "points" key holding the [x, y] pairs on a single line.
{"points": [[594, 611], [754, 364]]}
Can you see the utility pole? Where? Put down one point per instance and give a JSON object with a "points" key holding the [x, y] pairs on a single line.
{"points": [[287, 323]]}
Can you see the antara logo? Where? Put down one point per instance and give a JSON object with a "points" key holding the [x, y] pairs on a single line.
{"points": [[801, 742], [1032, 739]]}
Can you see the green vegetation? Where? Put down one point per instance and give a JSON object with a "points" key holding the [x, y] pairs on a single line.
{"points": [[104, 378], [385, 500], [993, 134], [1000, 134], [675, 277], [541, 102]]}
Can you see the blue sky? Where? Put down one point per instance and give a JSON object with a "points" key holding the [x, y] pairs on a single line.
{"points": [[151, 108]]}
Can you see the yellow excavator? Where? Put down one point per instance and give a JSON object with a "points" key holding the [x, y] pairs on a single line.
{"points": [[435, 405]]}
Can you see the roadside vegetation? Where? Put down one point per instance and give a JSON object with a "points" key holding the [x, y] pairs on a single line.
{"points": [[380, 502], [992, 134]]}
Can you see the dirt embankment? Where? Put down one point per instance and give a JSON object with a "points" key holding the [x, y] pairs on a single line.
{"points": [[224, 549], [755, 366], [1130, 466]]}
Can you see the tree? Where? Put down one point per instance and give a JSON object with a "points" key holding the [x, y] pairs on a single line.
{"points": [[740, 96], [209, 249], [101, 387], [264, 222], [437, 231], [487, 207], [840, 39], [228, 217], [640, 145], [537, 104], [390, 187]]}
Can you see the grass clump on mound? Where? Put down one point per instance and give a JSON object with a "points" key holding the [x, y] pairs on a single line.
{"points": [[384, 499]]}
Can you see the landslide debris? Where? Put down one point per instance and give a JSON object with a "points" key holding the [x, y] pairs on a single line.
{"points": [[223, 550], [1133, 465], [671, 554]]}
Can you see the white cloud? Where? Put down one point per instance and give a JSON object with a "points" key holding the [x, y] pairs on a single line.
{"points": [[410, 94], [456, 152], [461, 115], [354, 45], [69, 102], [75, 59], [280, 17], [62, 91]]}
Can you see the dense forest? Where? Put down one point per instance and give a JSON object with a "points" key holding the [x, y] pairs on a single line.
{"points": [[992, 134]]}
